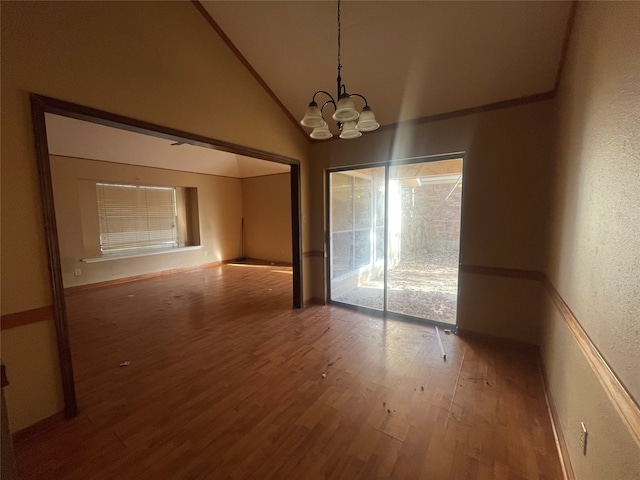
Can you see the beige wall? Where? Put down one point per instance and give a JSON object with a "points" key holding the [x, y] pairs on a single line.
{"points": [[115, 57], [507, 156], [267, 217], [155, 61], [594, 259], [30, 355], [219, 205]]}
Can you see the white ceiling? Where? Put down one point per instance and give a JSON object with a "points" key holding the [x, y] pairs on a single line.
{"points": [[411, 59], [80, 139]]}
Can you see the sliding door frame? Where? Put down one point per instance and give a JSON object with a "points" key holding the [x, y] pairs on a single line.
{"points": [[384, 313]]}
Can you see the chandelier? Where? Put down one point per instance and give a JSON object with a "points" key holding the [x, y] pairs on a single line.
{"points": [[350, 122]]}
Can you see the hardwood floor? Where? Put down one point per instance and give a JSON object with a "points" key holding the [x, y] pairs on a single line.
{"points": [[225, 381]]}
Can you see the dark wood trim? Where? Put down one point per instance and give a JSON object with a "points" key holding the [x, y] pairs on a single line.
{"points": [[314, 301], [13, 320], [490, 338], [38, 109], [565, 46], [296, 236], [207, 16], [439, 157], [259, 262], [4, 381], [39, 106], [89, 114], [515, 102], [502, 272], [621, 399], [314, 253], [38, 427], [556, 426], [327, 236]]}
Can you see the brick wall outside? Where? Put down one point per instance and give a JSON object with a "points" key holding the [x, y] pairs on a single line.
{"points": [[430, 219]]}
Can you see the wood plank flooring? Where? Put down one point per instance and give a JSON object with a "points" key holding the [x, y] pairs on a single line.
{"points": [[225, 382]]}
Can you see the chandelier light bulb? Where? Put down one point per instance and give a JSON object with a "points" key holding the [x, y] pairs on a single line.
{"points": [[367, 121], [349, 130], [322, 132], [345, 111], [312, 117]]}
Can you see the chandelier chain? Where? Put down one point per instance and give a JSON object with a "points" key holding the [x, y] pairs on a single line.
{"points": [[339, 64], [345, 113]]}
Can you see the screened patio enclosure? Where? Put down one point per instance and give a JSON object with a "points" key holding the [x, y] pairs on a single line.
{"points": [[394, 238]]}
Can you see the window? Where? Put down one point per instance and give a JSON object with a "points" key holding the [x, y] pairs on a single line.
{"points": [[134, 217]]}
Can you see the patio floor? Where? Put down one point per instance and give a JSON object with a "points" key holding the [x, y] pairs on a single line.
{"points": [[425, 288]]}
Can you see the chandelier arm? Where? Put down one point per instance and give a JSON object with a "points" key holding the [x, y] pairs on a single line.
{"points": [[342, 89], [345, 114], [366, 104], [327, 103], [326, 93]]}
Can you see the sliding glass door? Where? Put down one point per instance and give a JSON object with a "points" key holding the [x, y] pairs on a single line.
{"points": [[394, 238], [356, 225]]}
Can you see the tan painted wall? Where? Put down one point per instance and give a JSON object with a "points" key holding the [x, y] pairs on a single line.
{"points": [[579, 397], [505, 202], [267, 217], [155, 61], [594, 246], [220, 211], [34, 376]]}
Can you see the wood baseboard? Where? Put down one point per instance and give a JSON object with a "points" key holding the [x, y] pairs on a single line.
{"points": [[314, 301], [40, 426], [260, 261], [135, 278], [489, 338], [561, 445]]}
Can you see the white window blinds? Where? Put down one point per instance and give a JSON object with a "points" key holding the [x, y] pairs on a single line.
{"points": [[134, 217]]}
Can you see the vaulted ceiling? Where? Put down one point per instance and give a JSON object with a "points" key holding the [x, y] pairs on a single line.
{"points": [[411, 59]]}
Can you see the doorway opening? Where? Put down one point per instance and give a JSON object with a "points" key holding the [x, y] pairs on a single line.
{"points": [[394, 238], [41, 107]]}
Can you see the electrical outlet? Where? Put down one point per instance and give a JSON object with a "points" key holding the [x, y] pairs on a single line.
{"points": [[77, 272], [205, 253], [583, 438]]}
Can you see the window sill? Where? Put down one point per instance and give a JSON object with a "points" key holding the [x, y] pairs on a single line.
{"points": [[119, 256]]}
